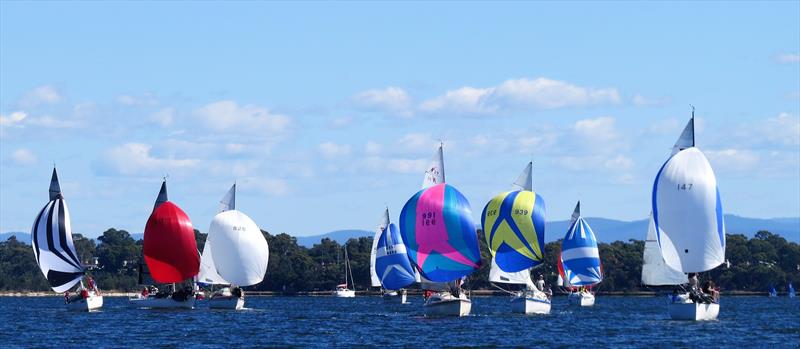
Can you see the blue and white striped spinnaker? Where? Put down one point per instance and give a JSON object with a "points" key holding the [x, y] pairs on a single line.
{"points": [[579, 254], [392, 265]]}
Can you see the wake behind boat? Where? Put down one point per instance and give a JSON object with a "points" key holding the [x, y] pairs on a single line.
{"points": [[51, 239], [513, 223], [437, 227], [240, 255], [170, 252]]}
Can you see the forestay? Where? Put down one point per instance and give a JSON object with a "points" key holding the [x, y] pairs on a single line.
{"points": [[51, 239], [579, 254]]}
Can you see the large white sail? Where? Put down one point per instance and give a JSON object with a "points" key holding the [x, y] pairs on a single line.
{"points": [[518, 278], [375, 281], [686, 140], [51, 239], [434, 174], [687, 211], [228, 201], [208, 272], [654, 271], [525, 179], [240, 253]]}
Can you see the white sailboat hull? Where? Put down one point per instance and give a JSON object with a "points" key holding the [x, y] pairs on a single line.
{"points": [[693, 311], [229, 302], [93, 302], [161, 303], [344, 293], [395, 297], [530, 304], [444, 304], [583, 299]]}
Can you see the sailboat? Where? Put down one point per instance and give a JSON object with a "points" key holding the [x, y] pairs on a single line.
{"points": [[791, 291], [772, 292], [170, 252], [392, 267], [655, 272], [343, 290], [240, 254], [580, 259], [51, 239], [689, 222], [437, 227], [513, 223]]}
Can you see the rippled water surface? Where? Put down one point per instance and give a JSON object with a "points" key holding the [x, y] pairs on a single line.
{"points": [[617, 322]]}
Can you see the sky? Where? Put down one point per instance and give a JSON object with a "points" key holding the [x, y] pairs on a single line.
{"points": [[324, 113]]}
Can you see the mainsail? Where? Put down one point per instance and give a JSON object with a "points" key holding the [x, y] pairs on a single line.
{"points": [[687, 211], [170, 250], [208, 271], [437, 228], [513, 225], [51, 238], [375, 281], [391, 263], [240, 252], [654, 271], [580, 257]]}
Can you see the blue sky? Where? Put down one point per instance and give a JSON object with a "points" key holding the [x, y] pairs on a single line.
{"points": [[325, 112]]}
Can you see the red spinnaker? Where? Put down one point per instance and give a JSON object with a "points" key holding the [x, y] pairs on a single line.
{"points": [[169, 247]]}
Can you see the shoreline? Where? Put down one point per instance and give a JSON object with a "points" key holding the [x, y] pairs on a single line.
{"points": [[478, 293]]}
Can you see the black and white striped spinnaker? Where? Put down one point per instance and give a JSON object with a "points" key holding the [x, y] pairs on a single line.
{"points": [[51, 237]]}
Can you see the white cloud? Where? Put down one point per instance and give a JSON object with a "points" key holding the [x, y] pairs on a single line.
{"points": [[643, 101], [341, 121], [135, 158], [163, 117], [41, 95], [146, 99], [23, 157], [785, 129], [229, 116], [51, 122], [620, 162], [602, 129], [13, 120], [266, 185], [417, 142], [788, 58], [373, 148], [733, 160], [397, 165], [330, 150], [391, 99], [540, 93], [234, 148]]}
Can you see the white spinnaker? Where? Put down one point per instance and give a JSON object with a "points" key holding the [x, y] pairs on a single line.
{"points": [[241, 253], [654, 271], [53, 246], [522, 277], [434, 174], [208, 272], [688, 214]]}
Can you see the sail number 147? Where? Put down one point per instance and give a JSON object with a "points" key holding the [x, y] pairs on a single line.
{"points": [[685, 186]]}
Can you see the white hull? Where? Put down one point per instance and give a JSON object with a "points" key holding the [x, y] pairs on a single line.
{"points": [[693, 311], [94, 302], [395, 297], [447, 305], [161, 303], [583, 299], [530, 304], [231, 302], [344, 293]]}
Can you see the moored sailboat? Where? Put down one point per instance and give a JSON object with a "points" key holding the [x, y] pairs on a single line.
{"points": [[437, 228], [343, 290], [240, 254], [51, 239], [170, 252], [513, 223], [689, 222], [791, 291], [580, 260], [392, 266]]}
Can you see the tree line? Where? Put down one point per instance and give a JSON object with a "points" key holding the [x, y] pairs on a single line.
{"points": [[754, 264]]}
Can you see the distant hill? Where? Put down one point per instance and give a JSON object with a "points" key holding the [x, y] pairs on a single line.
{"points": [[21, 237], [340, 236], [607, 230]]}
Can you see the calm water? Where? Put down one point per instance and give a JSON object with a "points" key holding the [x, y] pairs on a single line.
{"points": [[312, 321]]}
